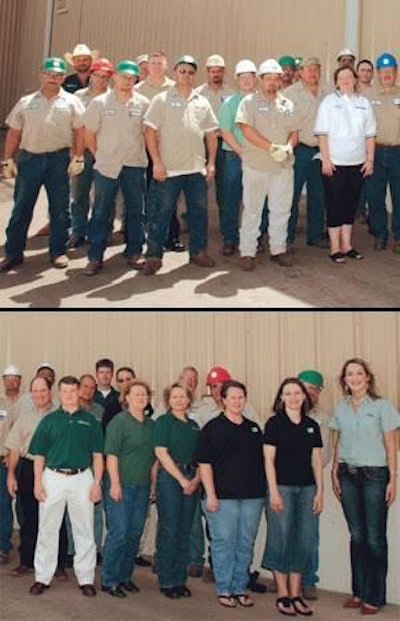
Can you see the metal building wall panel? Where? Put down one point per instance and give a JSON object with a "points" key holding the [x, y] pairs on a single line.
{"points": [[380, 28]]}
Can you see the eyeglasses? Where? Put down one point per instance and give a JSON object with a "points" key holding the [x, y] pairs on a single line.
{"points": [[186, 71]]}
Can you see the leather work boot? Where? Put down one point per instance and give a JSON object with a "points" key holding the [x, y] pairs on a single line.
{"points": [[282, 259], [151, 266], [228, 249], [8, 263], [92, 268], [202, 259], [136, 262], [247, 264]]}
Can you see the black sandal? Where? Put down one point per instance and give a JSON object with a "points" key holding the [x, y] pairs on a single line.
{"points": [[337, 257], [286, 602], [299, 600], [354, 254]]}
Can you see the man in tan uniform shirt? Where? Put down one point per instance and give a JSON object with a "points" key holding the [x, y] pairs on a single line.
{"points": [[47, 127], [177, 122]]}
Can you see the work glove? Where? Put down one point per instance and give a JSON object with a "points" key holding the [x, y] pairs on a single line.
{"points": [[76, 166], [9, 168], [280, 152]]}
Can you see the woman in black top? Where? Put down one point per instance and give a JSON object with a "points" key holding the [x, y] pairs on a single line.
{"points": [[293, 464]]}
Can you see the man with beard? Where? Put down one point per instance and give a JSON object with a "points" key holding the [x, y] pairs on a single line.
{"points": [[81, 60]]}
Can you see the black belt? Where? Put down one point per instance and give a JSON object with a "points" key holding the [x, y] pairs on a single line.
{"points": [[307, 146], [186, 467], [68, 471], [388, 146]]}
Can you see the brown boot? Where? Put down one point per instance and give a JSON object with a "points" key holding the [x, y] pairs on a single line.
{"points": [[136, 262], [92, 268], [247, 264], [151, 266], [282, 259], [202, 259]]}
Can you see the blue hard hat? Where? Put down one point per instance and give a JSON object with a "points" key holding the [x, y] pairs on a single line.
{"points": [[386, 60]]}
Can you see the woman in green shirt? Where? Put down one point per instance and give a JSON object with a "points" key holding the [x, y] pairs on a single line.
{"points": [[175, 441], [130, 460]]}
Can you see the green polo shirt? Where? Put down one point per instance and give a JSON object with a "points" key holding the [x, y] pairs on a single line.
{"points": [[226, 118], [67, 440], [132, 442], [180, 438]]}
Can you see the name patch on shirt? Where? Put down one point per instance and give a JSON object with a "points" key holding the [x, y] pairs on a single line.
{"points": [[254, 429], [310, 430], [135, 111], [3, 414], [176, 104], [110, 111]]}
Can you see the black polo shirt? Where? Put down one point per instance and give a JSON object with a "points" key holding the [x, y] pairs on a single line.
{"points": [[72, 83], [236, 456], [294, 445]]}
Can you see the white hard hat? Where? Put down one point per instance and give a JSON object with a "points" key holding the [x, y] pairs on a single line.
{"points": [[345, 52], [46, 365], [215, 60], [12, 369], [269, 66], [245, 66]]}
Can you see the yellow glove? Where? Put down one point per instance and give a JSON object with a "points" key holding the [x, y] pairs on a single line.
{"points": [[9, 168], [76, 166], [280, 152]]}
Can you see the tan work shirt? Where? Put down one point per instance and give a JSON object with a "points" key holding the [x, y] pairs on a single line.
{"points": [[306, 107], [150, 90], [274, 119], [22, 431], [47, 124], [386, 107], [119, 132], [85, 95], [181, 124], [5, 424], [216, 98]]}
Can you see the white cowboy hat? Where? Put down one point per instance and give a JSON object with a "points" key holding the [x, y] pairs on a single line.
{"points": [[81, 49]]}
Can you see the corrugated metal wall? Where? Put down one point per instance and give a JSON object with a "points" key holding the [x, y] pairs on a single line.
{"points": [[259, 348], [10, 26]]}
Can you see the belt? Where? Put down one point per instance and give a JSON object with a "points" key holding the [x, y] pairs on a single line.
{"points": [[388, 146], [186, 466], [307, 146], [68, 471]]}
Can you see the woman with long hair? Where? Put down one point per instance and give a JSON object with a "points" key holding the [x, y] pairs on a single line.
{"points": [[293, 462], [364, 479]]}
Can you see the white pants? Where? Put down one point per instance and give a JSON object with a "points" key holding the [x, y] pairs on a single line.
{"points": [[278, 186], [61, 491]]}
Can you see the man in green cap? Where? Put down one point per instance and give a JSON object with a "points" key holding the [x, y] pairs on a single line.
{"points": [[114, 136], [177, 123], [288, 64], [47, 128], [313, 382]]}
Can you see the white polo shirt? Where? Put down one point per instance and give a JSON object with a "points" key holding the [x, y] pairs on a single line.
{"points": [[347, 120]]}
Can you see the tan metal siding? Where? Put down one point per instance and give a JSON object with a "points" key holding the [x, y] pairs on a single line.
{"points": [[10, 23], [380, 27]]}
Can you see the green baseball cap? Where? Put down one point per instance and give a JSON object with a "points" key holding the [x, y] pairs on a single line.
{"points": [[311, 377], [287, 60], [187, 60], [129, 67], [54, 64]]}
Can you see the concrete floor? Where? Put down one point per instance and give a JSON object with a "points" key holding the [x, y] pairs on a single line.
{"points": [[314, 281], [64, 602]]}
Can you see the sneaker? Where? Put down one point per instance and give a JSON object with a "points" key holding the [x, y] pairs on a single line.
{"points": [[310, 592], [202, 260], [92, 268], [380, 243], [60, 262], [247, 264], [282, 259], [151, 266]]}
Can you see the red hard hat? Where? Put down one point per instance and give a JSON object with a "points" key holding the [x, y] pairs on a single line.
{"points": [[217, 374], [102, 64]]}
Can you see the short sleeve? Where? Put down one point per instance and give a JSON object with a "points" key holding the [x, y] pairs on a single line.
{"points": [[271, 431], [97, 438], [390, 417], [204, 453], [92, 116], [161, 431], [322, 124], [154, 113]]}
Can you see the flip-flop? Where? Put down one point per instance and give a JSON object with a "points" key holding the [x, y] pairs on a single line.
{"points": [[244, 600], [299, 600], [228, 601], [282, 603]]}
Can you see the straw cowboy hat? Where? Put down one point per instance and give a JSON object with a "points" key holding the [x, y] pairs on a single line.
{"points": [[81, 49]]}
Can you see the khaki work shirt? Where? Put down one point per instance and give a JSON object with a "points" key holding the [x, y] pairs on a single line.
{"points": [[22, 431], [119, 132], [274, 119], [306, 107], [47, 124], [181, 124], [150, 90], [386, 107], [85, 95], [5, 417], [216, 98]]}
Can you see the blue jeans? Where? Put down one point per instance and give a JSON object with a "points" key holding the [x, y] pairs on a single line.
{"points": [[131, 180], [125, 524], [365, 510], [291, 533], [196, 539], [164, 196], [35, 170], [232, 198], [6, 514], [310, 576], [80, 192], [386, 170], [307, 170], [175, 517], [233, 529]]}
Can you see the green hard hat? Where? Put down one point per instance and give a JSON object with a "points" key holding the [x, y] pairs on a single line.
{"points": [[187, 60], [55, 64], [287, 60], [312, 377], [127, 66]]}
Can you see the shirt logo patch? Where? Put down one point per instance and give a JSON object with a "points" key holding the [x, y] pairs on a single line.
{"points": [[310, 430], [254, 429], [176, 104], [110, 111], [83, 422]]}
